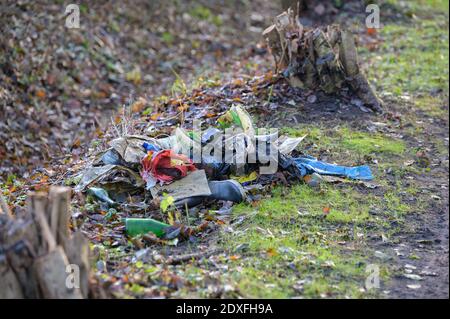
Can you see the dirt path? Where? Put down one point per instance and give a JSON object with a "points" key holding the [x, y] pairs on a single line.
{"points": [[425, 245]]}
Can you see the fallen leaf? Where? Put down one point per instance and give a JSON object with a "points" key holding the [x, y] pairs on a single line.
{"points": [[371, 31], [139, 105], [40, 94], [155, 116], [271, 252]]}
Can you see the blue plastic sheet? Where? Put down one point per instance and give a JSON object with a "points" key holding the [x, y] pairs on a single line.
{"points": [[309, 165]]}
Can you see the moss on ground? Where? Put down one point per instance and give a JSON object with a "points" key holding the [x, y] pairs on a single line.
{"points": [[368, 143]]}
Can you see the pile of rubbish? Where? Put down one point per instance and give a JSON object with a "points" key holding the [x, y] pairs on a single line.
{"points": [[227, 164]]}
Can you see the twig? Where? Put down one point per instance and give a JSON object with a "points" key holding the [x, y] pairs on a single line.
{"points": [[187, 257], [169, 118]]}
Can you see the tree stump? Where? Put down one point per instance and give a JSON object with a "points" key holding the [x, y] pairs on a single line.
{"points": [[322, 58], [39, 258]]}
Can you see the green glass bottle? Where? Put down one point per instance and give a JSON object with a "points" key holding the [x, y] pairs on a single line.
{"points": [[138, 226]]}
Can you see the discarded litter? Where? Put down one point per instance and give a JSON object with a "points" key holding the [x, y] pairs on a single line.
{"points": [[142, 226], [130, 147], [110, 175], [112, 157], [138, 226], [153, 170], [246, 179], [309, 165], [165, 166], [101, 194], [237, 116], [151, 147]]}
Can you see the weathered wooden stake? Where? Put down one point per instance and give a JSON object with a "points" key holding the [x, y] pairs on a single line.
{"points": [[38, 256], [4, 208]]}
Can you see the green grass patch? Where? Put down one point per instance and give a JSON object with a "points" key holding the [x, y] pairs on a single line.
{"points": [[288, 237], [433, 106], [167, 37], [367, 143], [413, 58], [346, 142], [203, 13], [419, 6], [314, 133], [394, 204]]}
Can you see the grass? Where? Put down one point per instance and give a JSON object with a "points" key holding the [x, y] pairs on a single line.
{"points": [[289, 235], [431, 105], [204, 14], [366, 143], [295, 249], [413, 57], [345, 140], [418, 6]]}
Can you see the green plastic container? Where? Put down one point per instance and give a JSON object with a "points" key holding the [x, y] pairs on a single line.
{"points": [[138, 226]]}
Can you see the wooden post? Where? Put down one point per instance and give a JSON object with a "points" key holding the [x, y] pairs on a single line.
{"points": [[4, 208], [37, 252], [20, 258], [77, 251], [59, 213], [52, 276], [11, 288], [38, 203]]}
